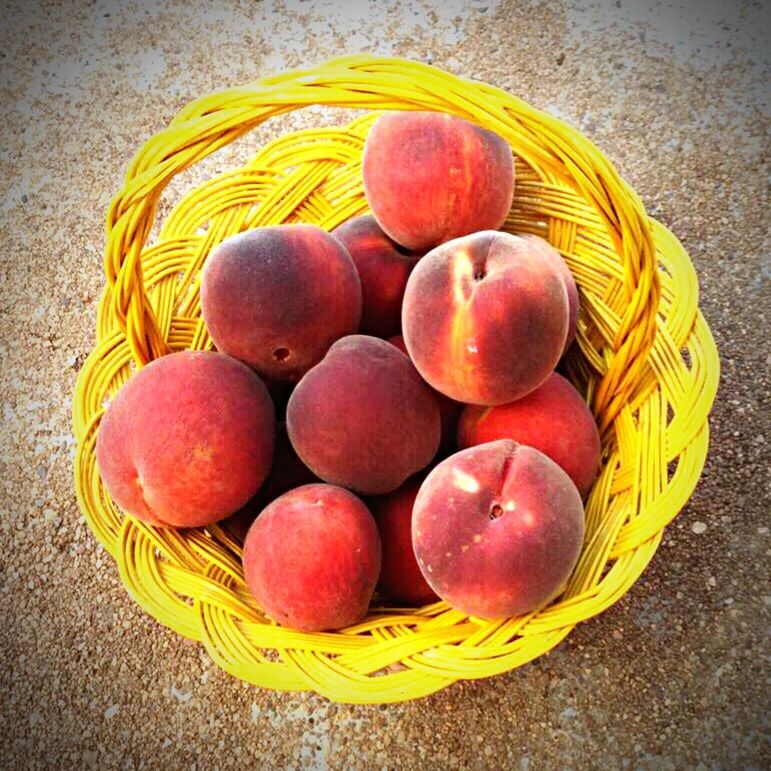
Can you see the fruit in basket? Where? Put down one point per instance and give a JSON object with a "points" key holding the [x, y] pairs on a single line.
{"points": [[312, 558], [449, 410], [278, 297], [363, 418], [187, 440], [485, 318], [430, 177], [383, 267], [400, 577], [497, 529], [554, 419]]}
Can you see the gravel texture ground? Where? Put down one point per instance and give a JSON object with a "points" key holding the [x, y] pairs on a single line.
{"points": [[673, 676]]}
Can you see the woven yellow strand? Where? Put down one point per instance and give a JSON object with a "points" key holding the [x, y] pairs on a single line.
{"points": [[645, 359]]}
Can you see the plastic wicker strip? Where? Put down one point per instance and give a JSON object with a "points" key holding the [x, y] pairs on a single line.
{"points": [[645, 359]]}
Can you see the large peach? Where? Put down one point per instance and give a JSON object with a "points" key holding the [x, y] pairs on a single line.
{"points": [[384, 268], [554, 419], [312, 558], [188, 439], [430, 177], [278, 297], [363, 418], [485, 318], [449, 410], [497, 529], [400, 576]]}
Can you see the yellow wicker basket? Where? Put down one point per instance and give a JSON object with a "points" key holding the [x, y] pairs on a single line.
{"points": [[645, 359]]}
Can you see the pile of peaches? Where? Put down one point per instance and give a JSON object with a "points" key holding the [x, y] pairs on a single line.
{"points": [[381, 417]]}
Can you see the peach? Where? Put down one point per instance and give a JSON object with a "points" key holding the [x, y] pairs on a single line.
{"points": [[449, 410], [384, 268], [554, 419], [278, 297], [430, 177], [312, 558], [188, 440], [497, 529], [485, 318], [363, 418], [546, 251], [400, 576]]}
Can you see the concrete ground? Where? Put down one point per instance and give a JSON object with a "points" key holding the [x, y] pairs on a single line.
{"points": [[673, 676]]}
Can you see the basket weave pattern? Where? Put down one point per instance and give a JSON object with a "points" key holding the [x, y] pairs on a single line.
{"points": [[645, 360]]}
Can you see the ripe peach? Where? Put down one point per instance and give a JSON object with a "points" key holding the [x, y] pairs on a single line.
{"points": [[485, 318], [554, 419], [312, 558], [278, 297], [384, 268], [497, 529], [430, 177], [400, 576], [363, 418], [449, 410], [188, 439]]}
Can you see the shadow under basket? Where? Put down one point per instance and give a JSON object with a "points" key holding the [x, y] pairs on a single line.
{"points": [[644, 358]]}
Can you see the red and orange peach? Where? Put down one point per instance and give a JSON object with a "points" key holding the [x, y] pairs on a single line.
{"points": [[541, 248], [497, 529], [430, 177], [554, 419], [312, 558], [188, 440], [485, 318]]}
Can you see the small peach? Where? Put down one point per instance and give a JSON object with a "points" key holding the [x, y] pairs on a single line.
{"points": [[400, 576], [554, 419], [312, 558], [384, 268], [363, 418]]}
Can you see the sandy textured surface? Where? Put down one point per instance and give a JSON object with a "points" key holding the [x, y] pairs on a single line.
{"points": [[673, 676]]}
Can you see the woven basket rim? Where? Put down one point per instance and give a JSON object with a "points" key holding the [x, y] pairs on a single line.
{"points": [[641, 299]]}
